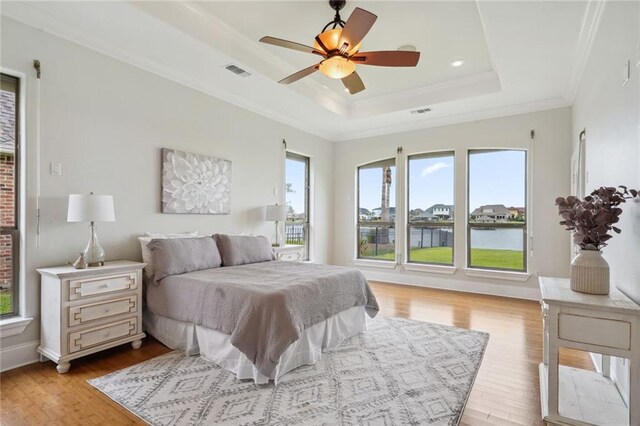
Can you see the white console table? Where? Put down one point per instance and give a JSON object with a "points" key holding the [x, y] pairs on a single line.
{"points": [[608, 325]]}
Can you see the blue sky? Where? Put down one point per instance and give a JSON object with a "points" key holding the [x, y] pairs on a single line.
{"points": [[496, 177], [295, 176]]}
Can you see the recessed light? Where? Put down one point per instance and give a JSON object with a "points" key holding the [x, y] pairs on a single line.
{"points": [[457, 63], [346, 90], [407, 48]]}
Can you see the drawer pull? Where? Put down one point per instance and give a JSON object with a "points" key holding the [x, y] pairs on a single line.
{"points": [[105, 285]]}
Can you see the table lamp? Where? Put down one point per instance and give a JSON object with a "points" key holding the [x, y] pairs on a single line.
{"points": [[91, 208], [276, 213]]}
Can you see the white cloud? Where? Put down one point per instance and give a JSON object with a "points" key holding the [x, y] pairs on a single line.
{"points": [[434, 168]]}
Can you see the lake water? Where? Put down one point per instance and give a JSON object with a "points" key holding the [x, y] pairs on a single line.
{"points": [[501, 239]]}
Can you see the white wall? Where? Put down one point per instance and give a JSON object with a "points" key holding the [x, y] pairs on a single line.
{"points": [[610, 113], [549, 178], [106, 122]]}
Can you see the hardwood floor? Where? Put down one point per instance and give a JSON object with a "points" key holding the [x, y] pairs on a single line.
{"points": [[506, 390]]}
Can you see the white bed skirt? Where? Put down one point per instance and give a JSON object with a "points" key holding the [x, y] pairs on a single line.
{"points": [[216, 347]]}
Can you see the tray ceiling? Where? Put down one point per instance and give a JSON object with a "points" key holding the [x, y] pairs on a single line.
{"points": [[520, 56]]}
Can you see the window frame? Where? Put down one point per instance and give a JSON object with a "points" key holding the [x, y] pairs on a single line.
{"points": [[14, 231], [306, 223], [451, 224], [524, 226], [390, 224]]}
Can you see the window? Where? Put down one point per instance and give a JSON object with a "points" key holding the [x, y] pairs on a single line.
{"points": [[497, 210], [297, 200], [377, 210], [430, 213], [9, 261]]}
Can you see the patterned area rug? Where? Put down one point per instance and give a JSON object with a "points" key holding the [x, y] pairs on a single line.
{"points": [[397, 372]]}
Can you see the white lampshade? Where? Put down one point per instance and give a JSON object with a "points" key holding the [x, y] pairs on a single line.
{"points": [[90, 208], [276, 213]]}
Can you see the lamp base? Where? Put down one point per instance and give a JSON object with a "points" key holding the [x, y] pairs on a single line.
{"points": [[278, 236], [94, 253]]}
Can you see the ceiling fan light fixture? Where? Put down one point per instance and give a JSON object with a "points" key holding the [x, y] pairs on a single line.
{"points": [[337, 67], [331, 38]]}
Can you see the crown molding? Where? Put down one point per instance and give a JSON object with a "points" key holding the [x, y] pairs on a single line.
{"points": [[462, 88], [524, 108], [590, 24]]}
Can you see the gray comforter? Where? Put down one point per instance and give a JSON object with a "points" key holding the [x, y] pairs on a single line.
{"points": [[263, 306]]}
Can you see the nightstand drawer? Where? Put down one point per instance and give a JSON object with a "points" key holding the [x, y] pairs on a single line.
{"points": [[603, 332], [83, 314], [98, 286], [91, 337], [290, 256]]}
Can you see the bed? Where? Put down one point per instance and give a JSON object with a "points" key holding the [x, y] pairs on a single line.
{"points": [[258, 320]]}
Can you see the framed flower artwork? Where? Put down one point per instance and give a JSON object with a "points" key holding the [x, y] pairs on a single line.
{"points": [[195, 184]]}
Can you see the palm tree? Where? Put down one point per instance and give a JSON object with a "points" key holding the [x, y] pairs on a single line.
{"points": [[383, 234]]}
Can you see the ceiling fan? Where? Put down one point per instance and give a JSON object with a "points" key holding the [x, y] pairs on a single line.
{"points": [[340, 49]]}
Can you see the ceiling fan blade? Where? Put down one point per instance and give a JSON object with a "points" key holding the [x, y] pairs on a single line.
{"points": [[300, 74], [357, 26], [353, 83], [290, 45], [387, 58]]}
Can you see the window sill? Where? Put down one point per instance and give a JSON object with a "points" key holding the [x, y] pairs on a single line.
{"points": [[498, 275], [436, 269], [374, 263], [13, 325]]}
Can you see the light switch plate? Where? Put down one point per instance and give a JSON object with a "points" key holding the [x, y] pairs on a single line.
{"points": [[56, 169]]}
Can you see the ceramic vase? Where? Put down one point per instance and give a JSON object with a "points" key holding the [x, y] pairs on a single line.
{"points": [[590, 273]]}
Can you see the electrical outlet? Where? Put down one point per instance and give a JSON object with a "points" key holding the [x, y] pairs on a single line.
{"points": [[56, 169]]}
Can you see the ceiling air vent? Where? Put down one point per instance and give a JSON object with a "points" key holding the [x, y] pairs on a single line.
{"points": [[421, 111], [237, 70]]}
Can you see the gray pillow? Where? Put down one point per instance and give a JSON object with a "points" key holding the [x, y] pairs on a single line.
{"points": [[243, 249], [180, 255]]}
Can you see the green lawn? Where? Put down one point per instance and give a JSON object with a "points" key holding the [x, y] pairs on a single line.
{"points": [[484, 258], [5, 302], [504, 259]]}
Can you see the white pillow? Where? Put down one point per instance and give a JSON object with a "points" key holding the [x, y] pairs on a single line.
{"points": [[146, 253]]}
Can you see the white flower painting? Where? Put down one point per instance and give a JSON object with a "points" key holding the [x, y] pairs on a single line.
{"points": [[193, 183]]}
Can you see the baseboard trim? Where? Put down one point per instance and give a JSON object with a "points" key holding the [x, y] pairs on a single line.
{"points": [[516, 290], [18, 355]]}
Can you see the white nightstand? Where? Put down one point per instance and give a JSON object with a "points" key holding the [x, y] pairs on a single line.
{"points": [[84, 311], [289, 252], [608, 325]]}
